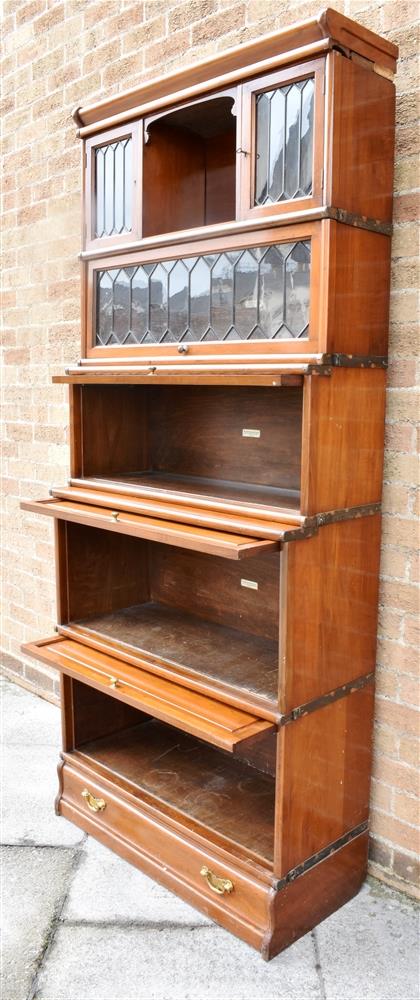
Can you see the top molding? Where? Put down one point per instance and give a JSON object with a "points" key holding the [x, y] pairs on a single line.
{"points": [[301, 40]]}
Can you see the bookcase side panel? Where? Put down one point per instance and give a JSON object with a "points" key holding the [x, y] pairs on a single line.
{"points": [[329, 610], [343, 438], [323, 788]]}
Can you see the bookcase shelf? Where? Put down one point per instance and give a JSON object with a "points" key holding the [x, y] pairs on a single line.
{"points": [[217, 543]]}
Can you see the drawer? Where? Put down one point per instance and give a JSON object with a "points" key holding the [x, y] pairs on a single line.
{"points": [[222, 725], [205, 877]]}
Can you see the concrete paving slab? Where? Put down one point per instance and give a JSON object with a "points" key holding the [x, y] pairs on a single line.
{"points": [[100, 963], [30, 785], [123, 893], [369, 948], [27, 720], [33, 885]]}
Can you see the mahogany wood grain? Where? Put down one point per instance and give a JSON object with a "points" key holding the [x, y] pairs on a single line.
{"points": [[217, 590], [236, 517], [114, 430], [209, 720], [221, 793], [218, 687], [220, 159], [245, 662], [309, 899], [343, 437], [128, 430], [357, 301], [137, 827], [199, 432], [94, 715], [185, 536], [295, 42], [360, 159], [174, 180], [329, 609], [323, 777], [103, 571]]}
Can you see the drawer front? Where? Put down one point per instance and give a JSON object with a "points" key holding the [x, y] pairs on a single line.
{"points": [[202, 877]]}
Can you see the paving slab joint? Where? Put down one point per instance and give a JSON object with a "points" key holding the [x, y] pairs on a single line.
{"points": [[51, 931], [318, 965]]}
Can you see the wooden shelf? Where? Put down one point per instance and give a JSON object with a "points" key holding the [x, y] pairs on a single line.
{"points": [[239, 660], [189, 488], [224, 795]]}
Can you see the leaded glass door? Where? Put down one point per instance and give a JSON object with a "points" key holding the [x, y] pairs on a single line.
{"points": [[282, 141]]}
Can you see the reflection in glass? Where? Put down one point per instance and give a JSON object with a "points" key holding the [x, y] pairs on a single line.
{"points": [[284, 139], [113, 188], [257, 293]]}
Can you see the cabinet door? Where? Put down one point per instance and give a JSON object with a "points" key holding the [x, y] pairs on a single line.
{"points": [[257, 291], [282, 140], [112, 188]]}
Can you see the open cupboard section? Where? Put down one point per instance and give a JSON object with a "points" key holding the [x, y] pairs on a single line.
{"points": [[217, 543]]}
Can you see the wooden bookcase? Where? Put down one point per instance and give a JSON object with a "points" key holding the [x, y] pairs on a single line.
{"points": [[217, 544]]}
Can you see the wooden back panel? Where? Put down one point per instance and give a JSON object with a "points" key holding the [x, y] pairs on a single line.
{"points": [[202, 585], [101, 572], [173, 180], [198, 431]]}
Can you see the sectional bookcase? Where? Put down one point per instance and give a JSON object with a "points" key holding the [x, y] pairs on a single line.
{"points": [[217, 543]]}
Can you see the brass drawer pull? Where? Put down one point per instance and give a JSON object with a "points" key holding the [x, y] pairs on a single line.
{"points": [[114, 682], [96, 805], [215, 883], [115, 515]]}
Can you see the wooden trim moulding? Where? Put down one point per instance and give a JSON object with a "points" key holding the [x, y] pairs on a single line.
{"points": [[298, 41]]}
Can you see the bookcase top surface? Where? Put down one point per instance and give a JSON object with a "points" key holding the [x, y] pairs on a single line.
{"points": [[327, 30]]}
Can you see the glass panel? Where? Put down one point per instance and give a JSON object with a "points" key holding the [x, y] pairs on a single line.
{"points": [[262, 147], [104, 323], [113, 183], [284, 140], [292, 152], [261, 293], [100, 192], [246, 295], [276, 151], [122, 306], [306, 142], [158, 296]]}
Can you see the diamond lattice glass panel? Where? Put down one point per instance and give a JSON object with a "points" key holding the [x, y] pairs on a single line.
{"points": [[260, 293], [113, 188], [284, 139]]}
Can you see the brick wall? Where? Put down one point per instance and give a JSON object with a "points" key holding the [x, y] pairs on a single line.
{"points": [[60, 53]]}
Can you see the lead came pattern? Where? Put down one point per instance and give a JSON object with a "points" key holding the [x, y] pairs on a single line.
{"points": [[260, 293], [113, 188], [284, 143]]}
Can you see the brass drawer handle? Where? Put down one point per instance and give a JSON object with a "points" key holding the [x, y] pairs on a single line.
{"points": [[115, 515], [114, 682], [96, 805], [215, 882]]}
